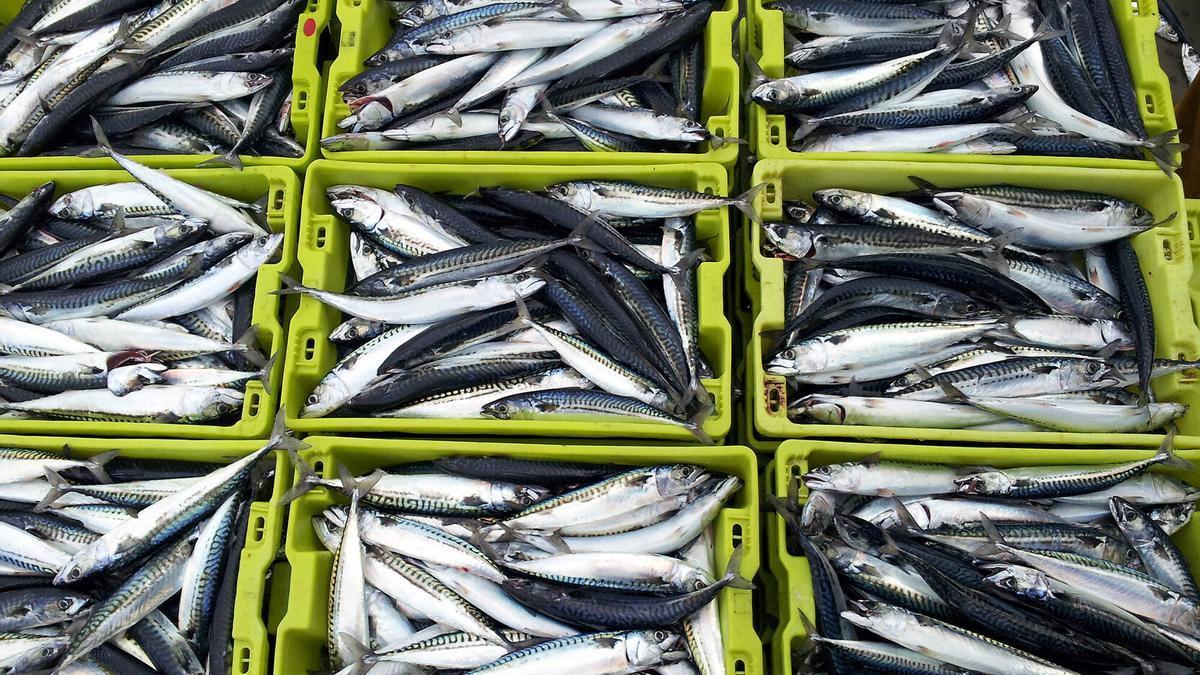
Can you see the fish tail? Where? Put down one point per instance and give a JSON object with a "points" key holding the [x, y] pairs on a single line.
{"points": [[806, 124], [362, 656], [96, 465], [1166, 453], [306, 479], [230, 159], [697, 428], [1163, 148], [745, 203], [291, 286], [58, 487], [264, 375], [102, 138], [247, 345], [733, 576], [719, 142]]}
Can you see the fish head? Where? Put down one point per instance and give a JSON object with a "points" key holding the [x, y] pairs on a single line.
{"points": [[259, 250], [984, 483], [798, 212], [505, 408], [648, 648], [772, 93], [373, 115], [48, 650], [958, 305], [1023, 582], [691, 578], [572, 193], [849, 202], [219, 402], [1087, 374], [173, 232], [365, 213], [807, 357], [525, 495], [677, 479], [1129, 517], [509, 125], [350, 331], [329, 395], [797, 241], [527, 283], [73, 205], [878, 617], [821, 409], [70, 605], [125, 379], [1172, 517]]}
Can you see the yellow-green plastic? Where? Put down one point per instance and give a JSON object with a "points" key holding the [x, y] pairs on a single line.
{"points": [[795, 458], [281, 187], [1136, 22], [251, 647], [324, 258], [308, 93], [1192, 207], [258, 589], [302, 635], [365, 28], [1164, 253]]}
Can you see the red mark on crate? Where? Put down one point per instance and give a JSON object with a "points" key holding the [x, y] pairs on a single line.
{"points": [[310, 27]]}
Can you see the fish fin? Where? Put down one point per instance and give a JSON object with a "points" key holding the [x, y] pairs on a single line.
{"points": [[1164, 221], [579, 236], [695, 424], [904, 515], [524, 318], [249, 346], [990, 529], [925, 186], [757, 76], [96, 465], [264, 375], [657, 70], [361, 654], [282, 437], [291, 286], [719, 142], [58, 488], [1003, 29], [871, 459], [229, 159], [101, 138], [1166, 453], [455, 116], [744, 203], [565, 9], [1045, 31], [733, 573], [1163, 148], [1107, 351], [806, 124], [306, 478]]}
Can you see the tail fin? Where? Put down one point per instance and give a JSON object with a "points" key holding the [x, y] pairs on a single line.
{"points": [[96, 465], [733, 577], [1003, 29], [291, 286], [58, 487], [805, 126], [282, 437], [230, 159], [695, 424], [1163, 149], [757, 76], [745, 203], [264, 375], [362, 658], [102, 138], [247, 345], [719, 142], [1166, 454], [306, 479]]}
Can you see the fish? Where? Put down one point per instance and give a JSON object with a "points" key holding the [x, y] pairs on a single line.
{"points": [[1007, 65], [1030, 594], [73, 64], [477, 322], [449, 64], [657, 592], [893, 269]]}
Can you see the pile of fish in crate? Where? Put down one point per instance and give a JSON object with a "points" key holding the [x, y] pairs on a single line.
{"points": [[194, 77], [1040, 569], [1028, 77]]}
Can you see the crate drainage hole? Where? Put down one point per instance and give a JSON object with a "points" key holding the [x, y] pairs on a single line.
{"points": [[310, 349], [1166, 244], [277, 203], [1150, 103], [260, 528], [351, 37], [739, 667], [795, 470], [771, 193], [321, 235], [244, 660], [774, 404], [253, 401], [302, 100], [776, 134], [736, 534], [318, 467]]}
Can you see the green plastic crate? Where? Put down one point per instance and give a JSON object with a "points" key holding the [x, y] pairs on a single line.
{"points": [[795, 458], [301, 640], [281, 187], [307, 95], [251, 647], [366, 28], [324, 258], [256, 617], [1136, 22], [1164, 254], [1193, 224]]}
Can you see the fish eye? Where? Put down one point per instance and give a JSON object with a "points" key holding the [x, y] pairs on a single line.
{"points": [[661, 635], [788, 353], [500, 407], [312, 399], [835, 199], [47, 652], [1093, 367], [64, 604], [74, 574]]}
